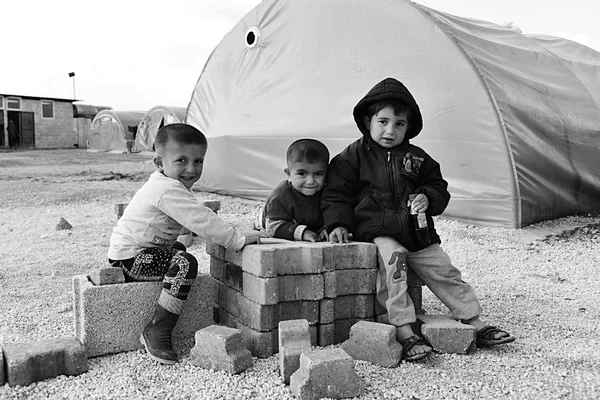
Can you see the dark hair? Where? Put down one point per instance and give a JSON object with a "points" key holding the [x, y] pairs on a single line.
{"points": [[397, 106], [309, 150], [179, 133]]}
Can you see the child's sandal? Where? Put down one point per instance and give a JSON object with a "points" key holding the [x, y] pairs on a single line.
{"points": [[409, 343], [486, 337]]}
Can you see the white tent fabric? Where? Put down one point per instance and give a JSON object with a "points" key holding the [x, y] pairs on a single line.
{"points": [[514, 120], [154, 119], [111, 129]]}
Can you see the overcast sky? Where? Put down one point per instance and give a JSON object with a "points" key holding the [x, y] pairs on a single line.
{"points": [[134, 54]]}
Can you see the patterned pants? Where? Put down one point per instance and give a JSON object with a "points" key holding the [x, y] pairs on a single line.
{"points": [[173, 266]]}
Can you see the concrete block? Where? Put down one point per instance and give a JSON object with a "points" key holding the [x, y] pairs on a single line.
{"points": [[350, 281], [326, 373], [215, 250], [301, 287], [353, 255], [336, 332], [260, 344], [374, 342], [107, 276], [265, 317], [35, 361], [344, 307], [110, 318], [447, 335], [294, 339], [220, 348]]}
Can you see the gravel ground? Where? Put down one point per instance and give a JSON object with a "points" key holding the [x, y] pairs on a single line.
{"points": [[543, 290]]}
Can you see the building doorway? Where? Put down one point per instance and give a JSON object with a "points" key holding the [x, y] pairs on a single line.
{"points": [[25, 128]]}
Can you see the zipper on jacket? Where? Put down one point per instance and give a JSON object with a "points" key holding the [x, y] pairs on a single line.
{"points": [[392, 180]]}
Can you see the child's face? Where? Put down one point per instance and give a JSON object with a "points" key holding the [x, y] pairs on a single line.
{"points": [[387, 128], [181, 162], [307, 178]]}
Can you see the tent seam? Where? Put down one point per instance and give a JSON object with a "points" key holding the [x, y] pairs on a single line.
{"points": [[435, 20]]}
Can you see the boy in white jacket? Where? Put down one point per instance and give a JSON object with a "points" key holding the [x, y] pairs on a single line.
{"points": [[144, 242]]}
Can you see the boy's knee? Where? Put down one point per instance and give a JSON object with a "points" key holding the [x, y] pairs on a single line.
{"points": [[192, 264]]}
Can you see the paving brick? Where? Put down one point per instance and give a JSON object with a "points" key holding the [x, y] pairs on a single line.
{"points": [[344, 307], [337, 331], [447, 335], [301, 287], [220, 348], [350, 281], [270, 260], [265, 317], [35, 361], [260, 344], [109, 318], [294, 339], [215, 250], [107, 276], [374, 342], [326, 373], [353, 255]]}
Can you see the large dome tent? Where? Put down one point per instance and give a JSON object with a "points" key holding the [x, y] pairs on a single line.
{"points": [[513, 119], [154, 119], [111, 129]]}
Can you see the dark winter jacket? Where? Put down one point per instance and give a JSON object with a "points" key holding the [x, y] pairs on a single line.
{"points": [[368, 185], [287, 213]]}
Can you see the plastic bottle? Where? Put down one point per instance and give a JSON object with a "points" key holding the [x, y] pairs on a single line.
{"points": [[419, 224]]}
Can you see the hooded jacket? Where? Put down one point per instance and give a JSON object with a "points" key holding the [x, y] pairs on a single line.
{"points": [[368, 185]]}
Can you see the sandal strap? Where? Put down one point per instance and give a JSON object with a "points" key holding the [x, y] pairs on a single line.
{"points": [[489, 332], [412, 341]]}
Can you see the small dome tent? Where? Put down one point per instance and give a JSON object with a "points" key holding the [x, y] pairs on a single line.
{"points": [[110, 130], [514, 120], [154, 119]]}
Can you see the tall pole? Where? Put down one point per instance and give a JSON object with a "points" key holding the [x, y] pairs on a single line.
{"points": [[72, 75]]}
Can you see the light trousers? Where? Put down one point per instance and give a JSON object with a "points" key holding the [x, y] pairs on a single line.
{"points": [[435, 270]]}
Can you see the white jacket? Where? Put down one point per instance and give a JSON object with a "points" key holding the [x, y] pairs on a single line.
{"points": [[162, 210]]}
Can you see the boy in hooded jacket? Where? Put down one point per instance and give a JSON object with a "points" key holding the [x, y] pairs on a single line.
{"points": [[367, 194]]}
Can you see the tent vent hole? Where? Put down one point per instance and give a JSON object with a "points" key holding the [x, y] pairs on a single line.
{"points": [[252, 37]]}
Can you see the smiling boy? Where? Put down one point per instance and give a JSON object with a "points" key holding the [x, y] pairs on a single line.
{"points": [[293, 210], [144, 242]]}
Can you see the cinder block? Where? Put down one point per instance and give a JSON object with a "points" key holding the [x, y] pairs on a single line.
{"points": [[110, 318], [265, 317], [336, 332], [220, 348], [35, 361], [215, 250], [260, 344], [107, 276], [326, 373], [447, 335], [294, 339], [374, 342], [301, 287], [353, 255], [344, 307], [350, 281]]}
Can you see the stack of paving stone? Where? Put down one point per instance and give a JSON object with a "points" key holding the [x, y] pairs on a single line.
{"points": [[332, 286]]}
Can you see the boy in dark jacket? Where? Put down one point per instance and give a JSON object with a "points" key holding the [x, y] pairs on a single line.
{"points": [[367, 194], [293, 210]]}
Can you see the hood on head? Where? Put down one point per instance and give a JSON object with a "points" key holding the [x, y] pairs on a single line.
{"points": [[389, 89]]}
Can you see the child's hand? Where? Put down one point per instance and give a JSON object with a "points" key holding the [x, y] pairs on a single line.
{"points": [[420, 203], [339, 235], [323, 235], [253, 237], [309, 236]]}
